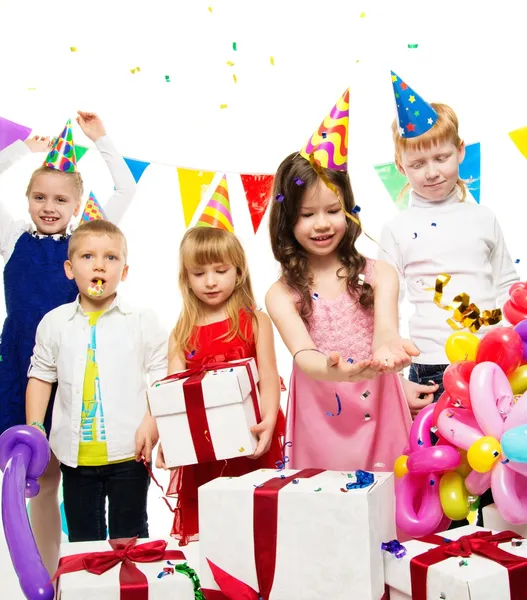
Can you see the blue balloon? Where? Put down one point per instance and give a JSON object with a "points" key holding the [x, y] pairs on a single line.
{"points": [[514, 444]]}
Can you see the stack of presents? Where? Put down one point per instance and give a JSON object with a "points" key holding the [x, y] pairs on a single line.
{"points": [[285, 534]]}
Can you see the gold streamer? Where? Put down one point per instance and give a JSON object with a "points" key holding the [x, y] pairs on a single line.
{"points": [[466, 315]]}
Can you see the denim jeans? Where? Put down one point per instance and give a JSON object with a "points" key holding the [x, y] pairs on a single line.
{"points": [[85, 491], [424, 374]]}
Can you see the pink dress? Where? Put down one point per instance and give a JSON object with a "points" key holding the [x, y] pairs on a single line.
{"points": [[374, 423]]}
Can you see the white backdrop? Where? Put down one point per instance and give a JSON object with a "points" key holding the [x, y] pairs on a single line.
{"points": [[469, 54]]}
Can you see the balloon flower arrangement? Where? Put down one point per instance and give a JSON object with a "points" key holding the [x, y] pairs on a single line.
{"points": [[480, 423]]}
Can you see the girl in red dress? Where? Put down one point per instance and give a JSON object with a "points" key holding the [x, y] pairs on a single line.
{"points": [[219, 321]]}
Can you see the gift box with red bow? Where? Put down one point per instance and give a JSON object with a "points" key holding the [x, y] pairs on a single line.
{"points": [[302, 535], [205, 414], [467, 563], [127, 569]]}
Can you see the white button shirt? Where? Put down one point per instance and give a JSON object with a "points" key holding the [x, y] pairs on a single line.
{"points": [[131, 348]]}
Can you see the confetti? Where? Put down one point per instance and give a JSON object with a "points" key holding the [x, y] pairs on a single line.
{"points": [[365, 394], [463, 562], [234, 46], [415, 235], [394, 547], [271, 60], [31, 89], [517, 543], [433, 224], [413, 45], [356, 209], [432, 482], [223, 106], [73, 49], [315, 296], [280, 198], [230, 63], [350, 360], [362, 15], [442, 596], [298, 181], [364, 479], [136, 70], [420, 442], [205, 433], [495, 454], [517, 261], [343, 490], [280, 464], [235, 78], [362, 279], [210, 9], [167, 78], [192, 354], [379, 465], [504, 462], [339, 408], [318, 490], [324, 135], [296, 480], [242, 449], [367, 417]]}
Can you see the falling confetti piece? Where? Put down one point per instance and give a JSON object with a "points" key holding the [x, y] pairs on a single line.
{"points": [[434, 224], [350, 360], [31, 89], [230, 63], [298, 181], [365, 394], [296, 480], [379, 465], [355, 209], [210, 9], [223, 106], [442, 596], [339, 408], [315, 296], [367, 417], [136, 70], [413, 45], [242, 449], [318, 490], [234, 46], [463, 562], [420, 442], [517, 543], [432, 482], [192, 354], [73, 49], [167, 78], [517, 261], [271, 60], [324, 135], [415, 235], [235, 78], [357, 61], [280, 198], [282, 476], [362, 15], [344, 490], [504, 462]]}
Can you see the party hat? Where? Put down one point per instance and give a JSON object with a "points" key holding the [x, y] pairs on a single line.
{"points": [[62, 155], [93, 210], [330, 142], [217, 213], [415, 116]]}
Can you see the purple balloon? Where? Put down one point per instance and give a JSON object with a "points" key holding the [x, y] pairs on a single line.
{"points": [[24, 456], [521, 330]]}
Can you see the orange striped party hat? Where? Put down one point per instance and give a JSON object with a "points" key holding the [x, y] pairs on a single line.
{"points": [[217, 213]]}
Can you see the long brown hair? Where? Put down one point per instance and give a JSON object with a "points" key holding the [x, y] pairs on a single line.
{"points": [[294, 260], [445, 129], [202, 246]]}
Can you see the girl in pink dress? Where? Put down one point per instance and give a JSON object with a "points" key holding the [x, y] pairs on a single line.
{"points": [[336, 311]]}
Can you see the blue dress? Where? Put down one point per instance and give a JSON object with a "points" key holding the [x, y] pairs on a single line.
{"points": [[34, 284]]}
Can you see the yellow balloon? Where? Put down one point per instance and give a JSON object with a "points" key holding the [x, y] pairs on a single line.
{"points": [[399, 468], [464, 468], [483, 454], [461, 345], [518, 380], [454, 496]]}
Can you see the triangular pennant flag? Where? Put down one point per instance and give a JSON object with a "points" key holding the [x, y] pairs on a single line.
{"points": [[93, 210], [80, 151], [470, 170], [415, 116], [137, 167], [192, 185], [330, 142], [62, 155], [518, 136], [258, 190], [11, 132], [394, 182], [217, 213], [233, 588]]}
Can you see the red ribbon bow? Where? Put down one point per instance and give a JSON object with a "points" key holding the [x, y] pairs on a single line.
{"points": [[483, 543], [195, 403], [133, 582]]}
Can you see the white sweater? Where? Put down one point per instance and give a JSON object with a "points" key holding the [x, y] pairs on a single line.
{"points": [[461, 239]]}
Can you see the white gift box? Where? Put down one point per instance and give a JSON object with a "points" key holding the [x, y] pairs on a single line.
{"points": [[82, 585], [230, 414], [480, 579], [328, 542], [493, 520]]}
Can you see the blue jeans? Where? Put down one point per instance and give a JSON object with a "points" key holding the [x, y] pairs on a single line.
{"points": [[424, 374], [85, 491]]}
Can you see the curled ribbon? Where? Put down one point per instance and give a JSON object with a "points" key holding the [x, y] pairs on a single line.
{"points": [[394, 547], [466, 315]]}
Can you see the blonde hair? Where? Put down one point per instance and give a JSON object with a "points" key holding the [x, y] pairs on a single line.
{"points": [[43, 170], [202, 246], [445, 129], [98, 227]]}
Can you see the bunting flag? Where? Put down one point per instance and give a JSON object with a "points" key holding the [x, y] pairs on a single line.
{"points": [[192, 184], [80, 151], [137, 167], [470, 170], [394, 182], [258, 190], [93, 210], [11, 132], [518, 136], [217, 213]]}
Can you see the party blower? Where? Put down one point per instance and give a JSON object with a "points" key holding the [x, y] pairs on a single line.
{"points": [[24, 456]]}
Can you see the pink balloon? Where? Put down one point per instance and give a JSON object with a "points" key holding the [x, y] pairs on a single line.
{"points": [[437, 459], [510, 493], [459, 427], [420, 431], [477, 483], [429, 515], [444, 525], [517, 415], [488, 384], [456, 380]]}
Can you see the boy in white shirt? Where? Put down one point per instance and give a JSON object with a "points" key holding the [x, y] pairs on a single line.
{"points": [[100, 352]]}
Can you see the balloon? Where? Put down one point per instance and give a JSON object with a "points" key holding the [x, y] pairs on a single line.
{"points": [[483, 454], [429, 514], [515, 309], [521, 330], [510, 494], [459, 427], [502, 346], [514, 444], [24, 456], [399, 467], [518, 380], [456, 381], [488, 385], [444, 402], [454, 497], [437, 459], [461, 345], [464, 468], [420, 430], [478, 483]]}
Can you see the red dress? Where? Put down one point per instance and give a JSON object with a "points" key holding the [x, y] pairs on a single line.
{"points": [[184, 481]]}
